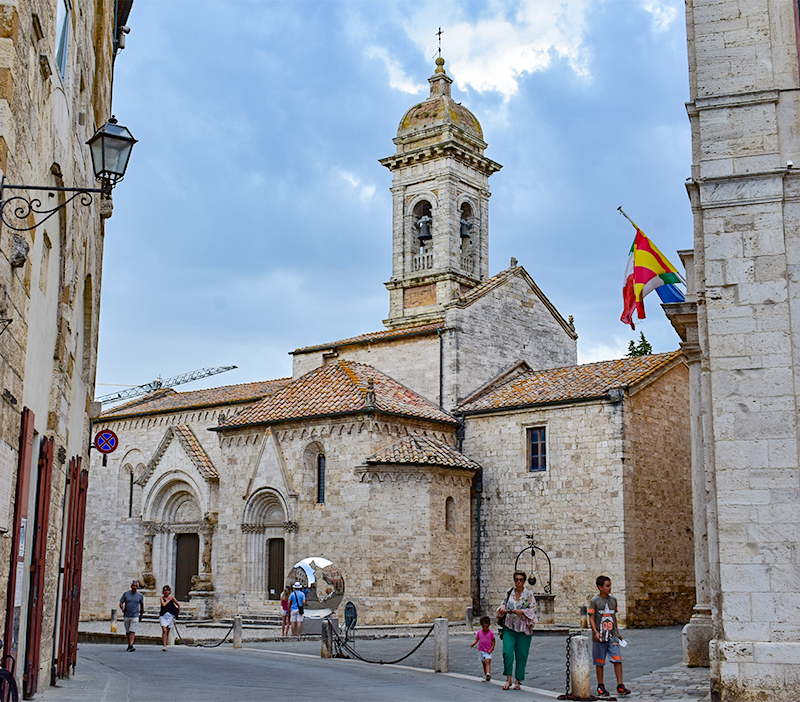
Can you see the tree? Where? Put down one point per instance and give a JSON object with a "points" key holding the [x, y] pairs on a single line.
{"points": [[643, 348]]}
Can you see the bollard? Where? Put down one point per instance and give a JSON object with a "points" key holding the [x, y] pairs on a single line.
{"points": [[469, 616], [237, 631], [326, 639], [441, 654], [580, 666], [114, 621]]}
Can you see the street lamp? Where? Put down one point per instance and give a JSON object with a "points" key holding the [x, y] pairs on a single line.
{"points": [[111, 149]]}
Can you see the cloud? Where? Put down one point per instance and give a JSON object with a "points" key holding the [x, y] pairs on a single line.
{"points": [[397, 76], [492, 51], [664, 13], [364, 191], [603, 351]]}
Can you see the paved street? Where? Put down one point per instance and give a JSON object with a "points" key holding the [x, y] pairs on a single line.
{"points": [[107, 673]]}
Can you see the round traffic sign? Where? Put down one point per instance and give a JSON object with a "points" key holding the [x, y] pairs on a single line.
{"points": [[106, 441]]}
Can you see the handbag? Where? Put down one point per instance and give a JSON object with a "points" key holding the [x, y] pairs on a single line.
{"points": [[300, 607], [501, 621]]}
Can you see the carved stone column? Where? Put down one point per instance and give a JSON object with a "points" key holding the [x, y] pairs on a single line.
{"points": [[148, 578], [699, 631]]}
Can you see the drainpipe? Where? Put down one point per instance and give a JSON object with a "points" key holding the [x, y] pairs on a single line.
{"points": [[441, 369], [478, 526]]}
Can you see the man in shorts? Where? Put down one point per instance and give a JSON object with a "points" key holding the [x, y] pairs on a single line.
{"points": [[132, 605], [605, 635], [296, 600]]}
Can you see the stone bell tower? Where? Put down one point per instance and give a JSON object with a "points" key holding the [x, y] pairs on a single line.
{"points": [[440, 206]]}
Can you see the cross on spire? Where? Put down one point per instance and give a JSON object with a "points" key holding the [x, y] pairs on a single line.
{"points": [[439, 34]]}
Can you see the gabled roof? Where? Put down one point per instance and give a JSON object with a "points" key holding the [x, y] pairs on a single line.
{"points": [[375, 336], [338, 387], [422, 450], [168, 400], [571, 383], [472, 296], [190, 444]]}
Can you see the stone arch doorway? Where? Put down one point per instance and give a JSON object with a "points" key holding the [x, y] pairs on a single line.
{"points": [[265, 549], [173, 527]]}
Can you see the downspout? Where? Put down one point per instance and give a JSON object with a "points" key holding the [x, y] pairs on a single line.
{"points": [[441, 370]]}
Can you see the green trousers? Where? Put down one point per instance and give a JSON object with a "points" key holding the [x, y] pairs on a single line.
{"points": [[515, 647]]}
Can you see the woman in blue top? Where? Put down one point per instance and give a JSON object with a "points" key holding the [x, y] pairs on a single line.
{"points": [[296, 600]]}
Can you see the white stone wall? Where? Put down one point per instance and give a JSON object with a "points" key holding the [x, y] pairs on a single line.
{"points": [[744, 113], [384, 528]]}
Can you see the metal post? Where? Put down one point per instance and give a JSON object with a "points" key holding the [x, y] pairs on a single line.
{"points": [[441, 654], [580, 667], [237, 631], [326, 640], [114, 621]]}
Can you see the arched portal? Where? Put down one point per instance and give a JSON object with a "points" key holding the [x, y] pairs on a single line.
{"points": [[264, 545]]}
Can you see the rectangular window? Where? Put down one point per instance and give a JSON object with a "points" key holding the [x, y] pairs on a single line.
{"points": [[537, 449], [62, 35]]}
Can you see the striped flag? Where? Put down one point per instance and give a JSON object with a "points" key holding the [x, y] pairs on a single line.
{"points": [[647, 270]]}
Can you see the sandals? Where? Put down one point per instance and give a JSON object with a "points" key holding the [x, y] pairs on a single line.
{"points": [[507, 686], [517, 686]]}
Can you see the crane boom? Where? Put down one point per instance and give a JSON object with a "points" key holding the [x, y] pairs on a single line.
{"points": [[158, 383]]}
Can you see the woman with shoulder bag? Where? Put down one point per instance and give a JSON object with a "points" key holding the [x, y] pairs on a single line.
{"points": [[517, 615]]}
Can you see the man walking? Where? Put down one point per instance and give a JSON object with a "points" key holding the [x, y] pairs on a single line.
{"points": [[132, 605]]}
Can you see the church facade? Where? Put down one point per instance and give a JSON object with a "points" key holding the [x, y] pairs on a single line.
{"points": [[418, 457]]}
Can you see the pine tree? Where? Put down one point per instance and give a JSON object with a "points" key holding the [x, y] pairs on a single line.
{"points": [[643, 348]]}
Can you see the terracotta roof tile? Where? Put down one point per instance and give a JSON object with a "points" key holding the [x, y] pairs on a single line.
{"points": [[374, 336], [569, 383], [338, 387], [195, 451], [422, 450], [168, 400]]}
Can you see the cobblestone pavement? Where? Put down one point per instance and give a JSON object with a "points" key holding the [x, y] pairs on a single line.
{"points": [[674, 683]]}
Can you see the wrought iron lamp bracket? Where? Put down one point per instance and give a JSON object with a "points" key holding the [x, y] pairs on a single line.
{"points": [[17, 208]]}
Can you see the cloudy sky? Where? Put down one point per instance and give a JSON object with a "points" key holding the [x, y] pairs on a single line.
{"points": [[255, 217]]}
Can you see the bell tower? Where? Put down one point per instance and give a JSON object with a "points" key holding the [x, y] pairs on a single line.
{"points": [[440, 216]]}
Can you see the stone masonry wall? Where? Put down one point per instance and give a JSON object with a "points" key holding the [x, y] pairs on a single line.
{"points": [[745, 118], [659, 545], [575, 508], [480, 348]]}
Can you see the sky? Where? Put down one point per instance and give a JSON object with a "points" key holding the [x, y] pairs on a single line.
{"points": [[255, 218]]}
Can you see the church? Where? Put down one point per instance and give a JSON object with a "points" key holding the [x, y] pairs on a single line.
{"points": [[417, 458]]}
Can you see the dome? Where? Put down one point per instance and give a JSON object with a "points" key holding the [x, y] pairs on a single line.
{"points": [[439, 110]]}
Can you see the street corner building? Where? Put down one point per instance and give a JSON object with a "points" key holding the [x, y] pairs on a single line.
{"points": [[56, 62], [737, 328], [417, 458]]}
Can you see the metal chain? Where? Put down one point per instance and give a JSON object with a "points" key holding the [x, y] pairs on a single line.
{"points": [[342, 644], [201, 644], [569, 657]]}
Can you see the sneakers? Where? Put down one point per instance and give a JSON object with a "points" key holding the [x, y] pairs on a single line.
{"points": [[488, 678], [622, 690], [602, 692]]}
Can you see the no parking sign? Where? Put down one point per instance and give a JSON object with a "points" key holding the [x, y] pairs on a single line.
{"points": [[106, 441]]}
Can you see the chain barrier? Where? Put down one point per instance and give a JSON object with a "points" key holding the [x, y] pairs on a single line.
{"points": [[568, 686], [342, 644], [201, 644]]}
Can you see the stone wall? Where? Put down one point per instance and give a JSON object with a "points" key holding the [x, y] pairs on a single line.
{"points": [[744, 111], [50, 276], [659, 545], [479, 348], [575, 509], [385, 528]]}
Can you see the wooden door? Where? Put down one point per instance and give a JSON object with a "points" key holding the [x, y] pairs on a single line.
{"points": [[275, 567], [187, 553]]}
